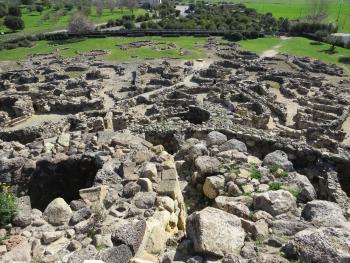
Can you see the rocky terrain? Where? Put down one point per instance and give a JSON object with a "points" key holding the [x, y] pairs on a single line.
{"points": [[233, 158]]}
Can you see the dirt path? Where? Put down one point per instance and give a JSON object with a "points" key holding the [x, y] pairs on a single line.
{"points": [[36, 120], [274, 50]]}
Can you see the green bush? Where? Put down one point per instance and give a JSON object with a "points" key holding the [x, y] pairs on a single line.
{"points": [[275, 186], [14, 11], [8, 205], [14, 23], [254, 172], [278, 171], [234, 36]]}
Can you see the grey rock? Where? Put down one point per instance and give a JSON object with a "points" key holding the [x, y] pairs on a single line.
{"points": [[130, 235], [149, 171], [302, 184], [323, 213], [288, 227], [194, 151], [57, 212], [215, 138], [205, 229], [233, 144], [49, 237], [207, 165], [145, 200], [130, 189], [279, 158], [275, 202], [213, 186], [83, 254], [23, 216], [118, 254], [323, 245], [80, 215]]}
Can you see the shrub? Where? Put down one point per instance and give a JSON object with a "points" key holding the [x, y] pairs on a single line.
{"points": [[277, 170], [79, 24], [25, 43], [254, 172], [39, 9], [8, 205], [10, 45], [234, 36], [14, 11], [275, 186], [3, 10], [347, 45], [14, 23], [129, 24]]}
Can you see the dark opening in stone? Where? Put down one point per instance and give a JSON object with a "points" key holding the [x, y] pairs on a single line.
{"points": [[61, 178], [196, 115]]}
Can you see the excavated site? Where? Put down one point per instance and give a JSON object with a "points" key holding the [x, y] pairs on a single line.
{"points": [[231, 158]]}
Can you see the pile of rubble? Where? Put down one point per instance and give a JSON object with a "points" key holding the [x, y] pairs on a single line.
{"points": [[233, 158]]}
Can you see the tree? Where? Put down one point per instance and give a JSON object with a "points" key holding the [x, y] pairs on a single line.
{"points": [[3, 10], [318, 10], [111, 5], [130, 4], [79, 24], [14, 11], [39, 9], [99, 7], [14, 23]]}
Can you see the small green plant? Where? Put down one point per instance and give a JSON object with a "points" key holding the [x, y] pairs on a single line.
{"points": [[254, 172], [275, 186], [278, 171], [299, 261], [233, 168], [37, 260], [8, 205], [101, 247], [295, 193], [259, 243]]}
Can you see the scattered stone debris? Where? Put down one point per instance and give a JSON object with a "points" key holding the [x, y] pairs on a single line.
{"points": [[233, 158]]}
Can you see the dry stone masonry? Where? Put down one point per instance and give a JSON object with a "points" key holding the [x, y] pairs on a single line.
{"points": [[231, 158]]}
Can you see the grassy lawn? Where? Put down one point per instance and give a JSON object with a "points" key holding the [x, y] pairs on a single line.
{"points": [[187, 44], [51, 20], [294, 9], [301, 47]]}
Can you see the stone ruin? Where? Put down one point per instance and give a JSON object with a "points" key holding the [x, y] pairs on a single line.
{"points": [[233, 158]]}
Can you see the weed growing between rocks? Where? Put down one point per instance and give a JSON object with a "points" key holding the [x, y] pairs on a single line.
{"points": [[8, 205]]}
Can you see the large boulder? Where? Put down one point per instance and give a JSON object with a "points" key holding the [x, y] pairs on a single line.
{"points": [[323, 213], [302, 184], [233, 144], [215, 232], [215, 138], [58, 212], [207, 165], [193, 151], [213, 186], [23, 216], [275, 202], [279, 158], [323, 245], [130, 235], [118, 254], [149, 171]]}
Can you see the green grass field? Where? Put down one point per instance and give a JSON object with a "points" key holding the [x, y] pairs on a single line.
{"points": [[187, 44], [36, 22], [301, 47], [297, 9]]}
